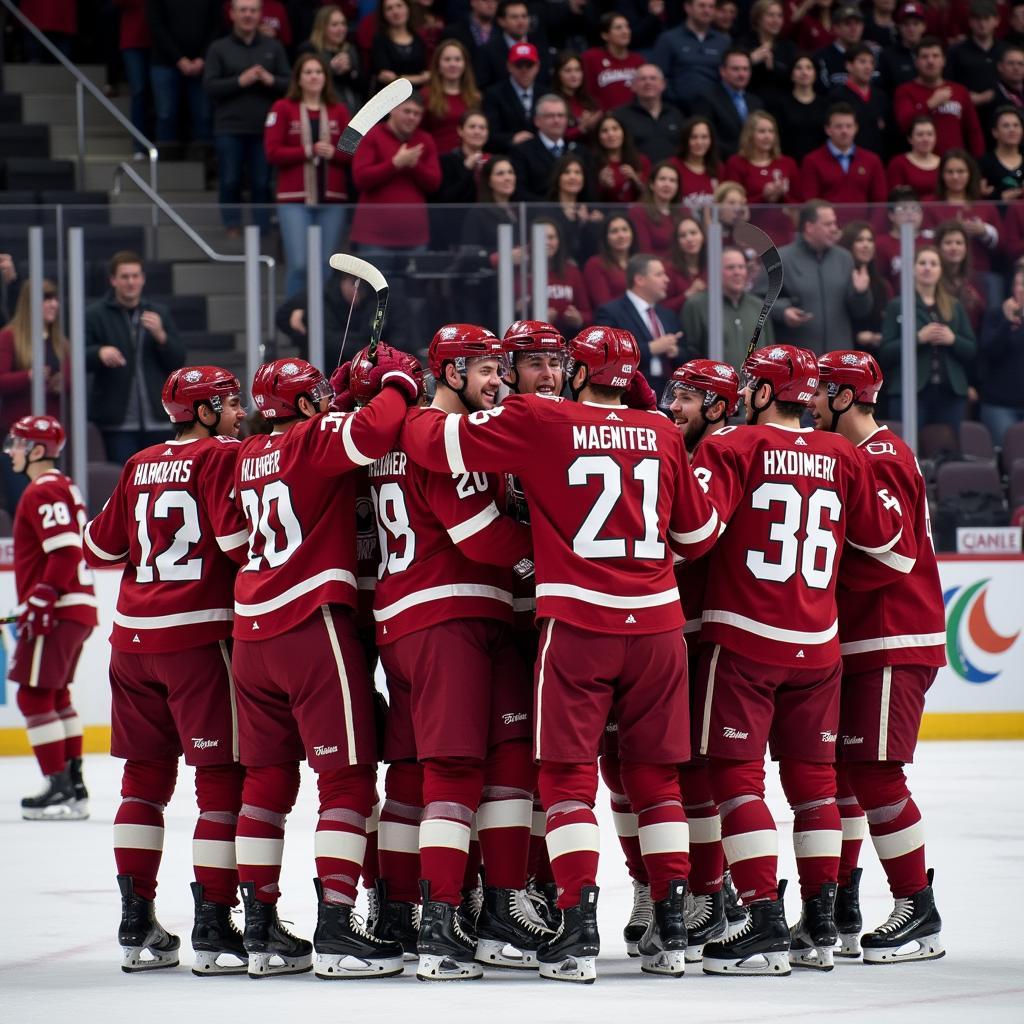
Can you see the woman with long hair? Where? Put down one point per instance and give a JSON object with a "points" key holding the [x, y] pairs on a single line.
{"points": [[568, 302], [771, 54], [449, 93], [621, 170], [568, 192], [329, 40], [858, 238], [461, 166], [957, 273], [731, 199], [811, 23], [801, 111], [567, 81], [958, 197], [1002, 168], [16, 372], [946, 347], [697, 163], [397, 51], [687, 265], [301, 141], [605, 272], [919, 167], [655, 216]]}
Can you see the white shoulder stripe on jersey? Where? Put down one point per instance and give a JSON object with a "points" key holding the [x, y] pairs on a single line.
{"points": [[893, 643], [271, 605], [696, 536], [473, 525], [452, 443], [179, 619], [898, 562], [71, 600], [785, 636], [878, 551], [233, 540], [62, 540], [598, 597], [98, 551], [440, 594], [354, 454]]}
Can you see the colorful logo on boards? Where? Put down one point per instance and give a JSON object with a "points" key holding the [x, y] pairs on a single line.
{"points": [[965, 610]]}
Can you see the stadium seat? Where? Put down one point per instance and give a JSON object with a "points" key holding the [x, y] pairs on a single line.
{"points": [[103, 477], [955, 478], [10, 107], [82, 208], [32, 173], [1013, 446], [934, 439], [96, 450], [27, 140], [1017, 483], [976, 442], [19, 208]]}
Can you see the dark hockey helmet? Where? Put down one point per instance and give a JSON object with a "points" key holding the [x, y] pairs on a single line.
{"points": [[857, 371], [610, 354], [360, 384], [185, 389], [792, 372], [33, 430], [718, 381], [278, 386], [461, 343]]}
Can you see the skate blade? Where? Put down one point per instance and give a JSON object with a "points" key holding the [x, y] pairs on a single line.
{"points": [[848, 947], [443, 968], [818, 958], [61, 812], [138, 959], [766, 965], [493, 953], [338, 968], [927, 948], [632, 949], [582, 969], [694, 954], [668, 962], [209, 962], [265, 965]]}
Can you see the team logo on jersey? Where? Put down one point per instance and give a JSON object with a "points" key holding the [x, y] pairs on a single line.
{"points": [[966, 612]]}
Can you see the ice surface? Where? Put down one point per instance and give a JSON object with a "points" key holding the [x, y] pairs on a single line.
{"points": [[59, 959]]}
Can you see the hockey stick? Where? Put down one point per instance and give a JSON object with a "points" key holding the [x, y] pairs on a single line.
{"points": [[372, 112], [364, 271], [754, 238]]}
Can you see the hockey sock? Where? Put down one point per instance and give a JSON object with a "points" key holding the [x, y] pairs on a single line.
{"points": [[219, 798], [626, 827], [505, 814], [146, 789], [398, 834], [817, 829], [855, 825], [568, 792], [894, 822], [451, 793], [706, 860], [346, 800], [267, 796], [72, 724], [664, 837], [45, 729], [749, 840], [474, 861], [372, 856], [540, 864]]}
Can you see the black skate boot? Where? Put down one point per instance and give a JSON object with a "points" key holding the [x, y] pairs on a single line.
{"points": [[55, 802], [509, 929], [705, 922], [735, 912], [216, 940], [80, 793], [145, 944], [271, 948], [571, 953], [663, 946], [345, 949], [640, 918], [397, 921], [759, 948], [849, 922], [544, 896], [812, 938], [446, 943], [913, 931]]}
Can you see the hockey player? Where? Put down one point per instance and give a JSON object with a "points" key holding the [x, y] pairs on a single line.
{"points": [[769, 662], [171, 520], [610, 495], [892, 641], [57, 612], [302, 685]]}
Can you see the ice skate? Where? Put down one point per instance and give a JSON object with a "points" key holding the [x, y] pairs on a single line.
{"points": [[705, 922], [849, 922], [397, 920], [735, 912], [544, 896], [509, 929], [55, 802], [640, 918], [145, 943], [216, 940], [571, 953], [271, 948], [913, 931], [372, 908], [761, 947], [78, 790], [663, 946], [446, 945], [345, 949], [813, 937]]}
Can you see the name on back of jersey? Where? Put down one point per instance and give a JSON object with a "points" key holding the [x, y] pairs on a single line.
{"points": [[790, 463], [605, 436], [257, 466], [176, 471], [392, 464]]}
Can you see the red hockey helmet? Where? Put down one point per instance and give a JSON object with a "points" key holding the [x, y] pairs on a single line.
{"points": [[186, 388], [278, 386], [610, 354], [33, 430], [533, 336], [857, 371], [792, 372], [718, 381], [459, 343], [361, 384]]}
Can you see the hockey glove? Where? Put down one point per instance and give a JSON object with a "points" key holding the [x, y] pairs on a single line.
{"points": [[640, 394], [392, 368], [342, 400], [38, 617]]}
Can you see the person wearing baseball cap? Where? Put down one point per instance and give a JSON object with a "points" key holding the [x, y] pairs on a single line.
{"points": [[511, 103], [515, 25], [848, 28], [896, 62], [972, 62]]}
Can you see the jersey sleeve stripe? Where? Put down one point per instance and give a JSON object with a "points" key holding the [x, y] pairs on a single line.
{"points": [[606, 600], [696, 536], [177, 619], [901, 563], [98, 551], [351, 450], [465, 530], [877, 551], [233, 540], [452, 442], [327, 576], [62, 540], [440, 594], [786, 636], [69, 600], [893, 643]]}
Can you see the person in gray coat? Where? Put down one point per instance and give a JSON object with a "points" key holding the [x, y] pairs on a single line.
{"points": [[822, 290]]}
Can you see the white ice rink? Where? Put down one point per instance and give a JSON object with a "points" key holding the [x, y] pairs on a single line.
{"points": [[59, 956]]}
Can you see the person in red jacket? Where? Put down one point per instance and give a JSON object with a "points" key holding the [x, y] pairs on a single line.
{"points": [[568, 302], [918, 169], [605, 272], [609, 69], [134, 41], [57, 20], [947, 103]]}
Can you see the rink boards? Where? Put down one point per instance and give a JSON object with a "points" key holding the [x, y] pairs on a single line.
{"points": [[978, 695]]}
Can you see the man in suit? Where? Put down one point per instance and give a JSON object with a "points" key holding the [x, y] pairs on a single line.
{"points": [[514, 26], [510, 105], [535, 159], [475, 30], [655, 328], [727, 103]]}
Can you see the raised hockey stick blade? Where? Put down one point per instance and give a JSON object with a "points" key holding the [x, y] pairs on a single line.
{"points": [[754, 238], [367, 272], [372, 112]]}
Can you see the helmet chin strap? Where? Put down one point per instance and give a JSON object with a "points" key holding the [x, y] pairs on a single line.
{"points": [[836, 413], [32, 462], [756, 409], [571, 374]]}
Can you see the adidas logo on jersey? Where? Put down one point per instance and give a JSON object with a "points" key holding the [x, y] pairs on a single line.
{"points": [[255, 627], [800, 653], [630, 621], [136, 640], [168, 452], [612, 416], [800, 441]]}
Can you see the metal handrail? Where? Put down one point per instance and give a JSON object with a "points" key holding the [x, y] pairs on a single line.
{"points": [[82, 83], [183, 225]]}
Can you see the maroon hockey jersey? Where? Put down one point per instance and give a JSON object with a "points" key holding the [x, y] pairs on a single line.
{"points": [[171, 517]]}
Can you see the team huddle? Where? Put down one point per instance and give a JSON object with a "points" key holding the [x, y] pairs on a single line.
{"points": [[554, 587]]}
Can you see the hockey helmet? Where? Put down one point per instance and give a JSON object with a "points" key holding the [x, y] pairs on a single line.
{"points": [[857, 371], [185, 389], [461, 343], [278, 386], [33, 430], [718, 381], [791, 372], [610, 355]]}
